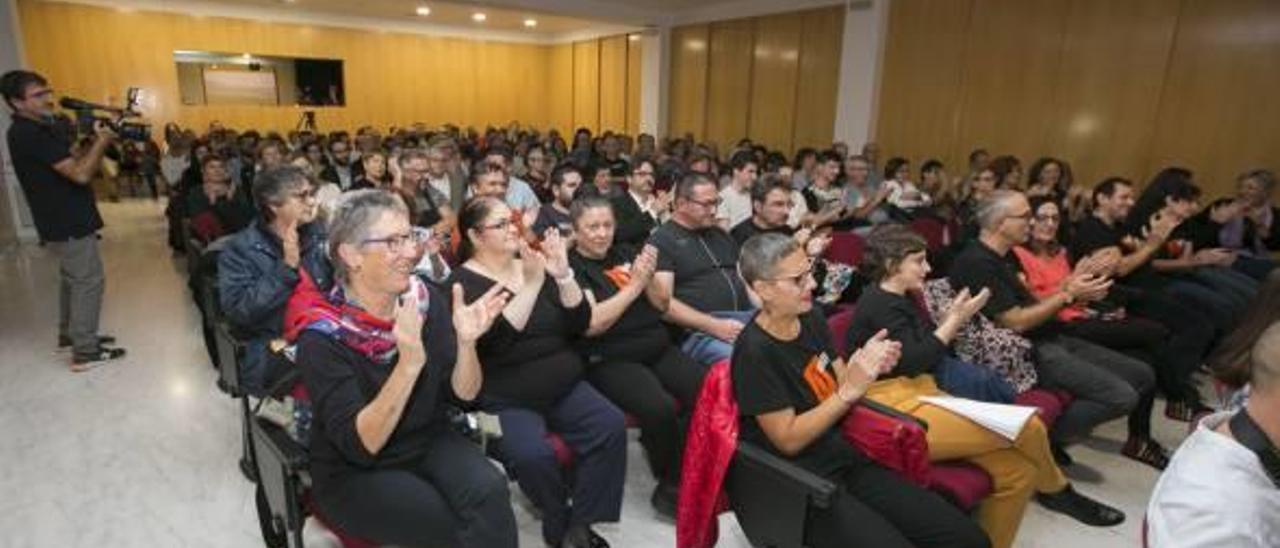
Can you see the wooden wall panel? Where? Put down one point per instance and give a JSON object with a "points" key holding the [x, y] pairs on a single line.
{"points": [[687, 95], [586, 85], [391, 79], [560, 89], [774, 78], [921, 80], [613, 83], [1219, 109], [1012, 53], [1113, 63], [635, 53], [729, 81], [817, 82]]}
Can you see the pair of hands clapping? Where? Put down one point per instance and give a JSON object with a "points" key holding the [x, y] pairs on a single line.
{"points": [[470, 321], [878, 356]]}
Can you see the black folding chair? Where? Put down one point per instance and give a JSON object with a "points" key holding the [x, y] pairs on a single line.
{"points": [[282, 480], [230, 352]]}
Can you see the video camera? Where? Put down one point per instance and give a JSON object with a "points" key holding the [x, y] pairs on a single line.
{"points": [[123, 121]]}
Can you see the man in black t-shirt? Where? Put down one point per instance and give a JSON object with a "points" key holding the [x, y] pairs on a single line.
{"points": [[565, 181], [698, 274], [56, 185], [1106, 384]]}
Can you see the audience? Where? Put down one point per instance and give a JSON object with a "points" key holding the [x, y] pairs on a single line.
{"points": [[535, 379], [896, 260], [792, 391], [375, 354], [1222, 487], [1134, 286], [1106, 384]]}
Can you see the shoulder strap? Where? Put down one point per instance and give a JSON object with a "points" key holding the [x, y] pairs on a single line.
{"points": [[1251, 436]]}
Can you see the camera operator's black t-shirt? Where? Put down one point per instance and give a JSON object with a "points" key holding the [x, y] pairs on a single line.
{"points": [[979, 266], [1093, 234], [62, 208]]}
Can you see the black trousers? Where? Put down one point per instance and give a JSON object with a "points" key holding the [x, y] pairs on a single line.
{"points": [[453, 497], [659, 395], [1137, 338], [873, 506], [1191, 336]]}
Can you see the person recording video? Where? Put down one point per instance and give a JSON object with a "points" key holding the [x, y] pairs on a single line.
{"points": [[56, 184]]}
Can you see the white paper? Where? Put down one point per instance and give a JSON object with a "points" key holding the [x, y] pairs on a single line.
{"points": [[1005, 420]]}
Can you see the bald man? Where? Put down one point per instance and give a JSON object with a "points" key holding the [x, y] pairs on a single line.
{"points": [[1223, 486]]}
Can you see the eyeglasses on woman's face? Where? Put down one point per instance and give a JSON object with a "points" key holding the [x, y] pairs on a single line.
{"points": [[395, 243]]}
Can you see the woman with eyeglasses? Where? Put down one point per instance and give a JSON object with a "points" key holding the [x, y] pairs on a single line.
{"points": [[262, 264], [534, 377], [793, 389], [383, 354], [1046, 265]]}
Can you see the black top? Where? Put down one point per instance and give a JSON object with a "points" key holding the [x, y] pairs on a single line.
{"points": [[879, 309], [979, 266], [537, 365], [768, 376], [1093, 234], [341, 381], [705, 264], [639, 335], [748, 228], [549, 216], [61, 208], [634, 225]]}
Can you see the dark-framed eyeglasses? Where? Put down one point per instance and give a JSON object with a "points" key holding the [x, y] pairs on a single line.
{"points": [[395, 243], [500, 225], [305, 194], [797, 279], [710, 204]]}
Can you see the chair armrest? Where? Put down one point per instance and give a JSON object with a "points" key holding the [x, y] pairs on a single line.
{"points": [[230, 355], [272, 439], [818, 489], [891, 412]]}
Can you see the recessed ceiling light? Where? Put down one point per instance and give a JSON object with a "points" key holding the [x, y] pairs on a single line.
{"points": [[423, 11], [478, 17], [530, 23]]}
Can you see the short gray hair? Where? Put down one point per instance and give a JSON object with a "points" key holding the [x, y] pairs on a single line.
{"points": [[994, 208], [411, 154], [761, 254], [352, 216], [272, 186]]}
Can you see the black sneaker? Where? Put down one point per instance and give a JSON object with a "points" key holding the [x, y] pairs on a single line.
{"points": [[84, 362], [1082, 508], [583, 537], [64, 342], [664, 500]]}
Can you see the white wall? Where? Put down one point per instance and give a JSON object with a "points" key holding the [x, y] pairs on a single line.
{"points": [[865, 24], [15, 218]]}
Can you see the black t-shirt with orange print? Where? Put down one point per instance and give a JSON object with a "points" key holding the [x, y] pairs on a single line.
{"points": [[639, 335], [771, 375]]}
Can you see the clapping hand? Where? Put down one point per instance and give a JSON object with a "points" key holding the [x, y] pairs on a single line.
{"points": [[964, 305], [470, 321], [533, 264], [644, 265], [553, 250], [408, 330], [878, 356]]}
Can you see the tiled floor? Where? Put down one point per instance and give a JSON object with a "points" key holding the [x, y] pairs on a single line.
{"points": [[143, 452]]}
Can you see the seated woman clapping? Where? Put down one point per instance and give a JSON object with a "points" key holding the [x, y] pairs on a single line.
{"points": [[784, 369], [534, 377], [630, 356], [382, 356], [895, 258]]}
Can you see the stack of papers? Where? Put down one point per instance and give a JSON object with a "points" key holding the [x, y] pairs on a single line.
{"points": [[1005, 420]]}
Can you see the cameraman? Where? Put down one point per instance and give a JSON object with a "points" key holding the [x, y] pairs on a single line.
{"points": [[56, 185]]}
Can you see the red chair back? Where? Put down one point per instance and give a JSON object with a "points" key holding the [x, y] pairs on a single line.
{"points": [[935, 233], [846, 248], [838, 324]]}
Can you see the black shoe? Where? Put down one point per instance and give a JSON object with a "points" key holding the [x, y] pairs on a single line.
{"points": [[1061, 456], [664, 500], [583, 537], [84, 362], [64, 341], [1082, 508]]}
